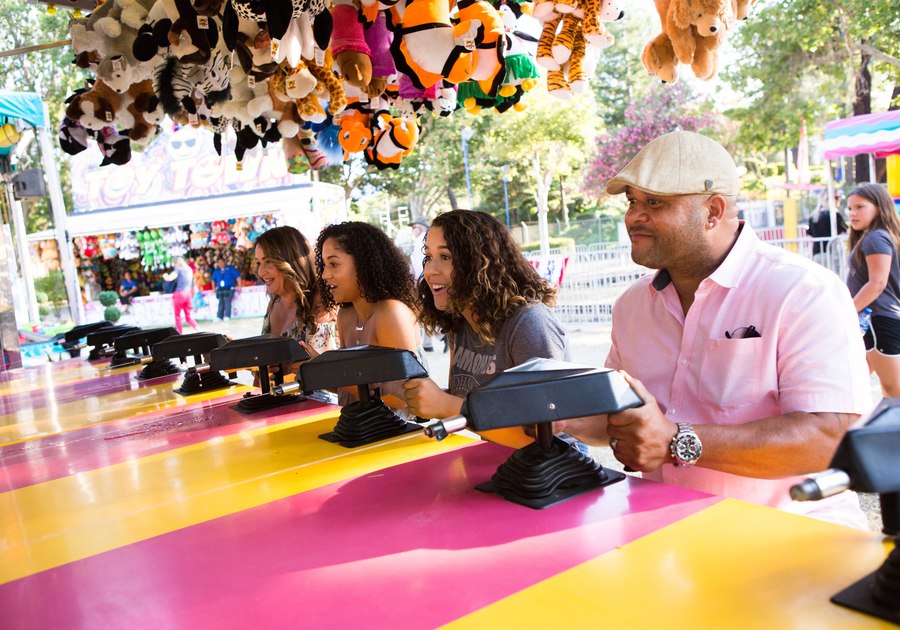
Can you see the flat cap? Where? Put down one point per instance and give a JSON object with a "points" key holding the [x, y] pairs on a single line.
{"points": [[679, 163]]}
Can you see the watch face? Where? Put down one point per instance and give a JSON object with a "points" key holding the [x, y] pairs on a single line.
{"points": [[688, 448]]}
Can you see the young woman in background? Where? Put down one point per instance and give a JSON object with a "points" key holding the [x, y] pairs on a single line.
{"points": [[874, 278]]}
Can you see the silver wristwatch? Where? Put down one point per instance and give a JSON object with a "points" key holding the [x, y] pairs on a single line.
{"points": [[686, 447]]}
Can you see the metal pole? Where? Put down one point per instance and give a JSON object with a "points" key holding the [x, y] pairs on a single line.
{"points": [[832, 209], [466, 136], [66, 257], [504, 170], [24, 256]]}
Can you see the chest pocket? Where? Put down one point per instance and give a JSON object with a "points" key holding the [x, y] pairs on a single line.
{"points": [[730, 374]]}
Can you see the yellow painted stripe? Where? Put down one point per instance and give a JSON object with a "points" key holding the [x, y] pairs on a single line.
{"points": [[31, 423], [60, 521], [732, 565]]}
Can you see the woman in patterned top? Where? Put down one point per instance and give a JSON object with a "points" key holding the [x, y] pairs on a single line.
{"points": [[284, 262]]}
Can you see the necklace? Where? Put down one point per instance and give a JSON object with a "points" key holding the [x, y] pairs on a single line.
{"points": [[361, 327]]}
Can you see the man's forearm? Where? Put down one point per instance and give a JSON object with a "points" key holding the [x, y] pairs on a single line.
{"points": [[776, 447]]}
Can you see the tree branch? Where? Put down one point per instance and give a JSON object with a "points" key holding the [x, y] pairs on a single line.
{"points": [[874, 53]]}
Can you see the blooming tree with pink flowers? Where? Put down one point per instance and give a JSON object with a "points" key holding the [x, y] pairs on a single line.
{"points": [[665, 108]]}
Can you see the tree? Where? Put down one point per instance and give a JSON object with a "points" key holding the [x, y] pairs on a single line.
{"points": [[814, 60], [424, 177], [665, 108], [49, 73], [548, 141]]}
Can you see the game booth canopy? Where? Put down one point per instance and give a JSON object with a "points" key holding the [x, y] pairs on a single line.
{"points": [[877, 135]]}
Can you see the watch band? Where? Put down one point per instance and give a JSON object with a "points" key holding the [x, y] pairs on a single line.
{"points": [[685, 447]]}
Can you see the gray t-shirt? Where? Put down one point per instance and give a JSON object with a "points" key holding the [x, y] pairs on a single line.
{"points": [[531, 332], [878, 241]]}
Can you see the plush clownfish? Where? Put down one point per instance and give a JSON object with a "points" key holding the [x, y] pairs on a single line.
{"points": [[394, 140], [355, 124], [427, 47]]}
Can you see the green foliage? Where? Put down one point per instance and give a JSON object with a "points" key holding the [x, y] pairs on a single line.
{"points": [[563, 243], [52, 286], [108, 298], [664, 109], [49, 73], [111, 313], [43, 311], [799, 58]]}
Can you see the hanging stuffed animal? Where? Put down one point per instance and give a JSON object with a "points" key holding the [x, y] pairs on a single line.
{"points": [[379, 39], [95, 108], [659, 59], [352, 55], [489, 58], [73, 138], [115, 147], [428, 47], [696, 28], [522, 31], [144, 112], [392, 140]]}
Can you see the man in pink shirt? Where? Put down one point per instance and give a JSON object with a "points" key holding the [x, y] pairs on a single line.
{"points": [[748, 357]]}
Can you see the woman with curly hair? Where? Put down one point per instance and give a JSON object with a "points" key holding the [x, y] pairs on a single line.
{"points": [[874, 278], [495, 308], [367, 275], [284, 262]]}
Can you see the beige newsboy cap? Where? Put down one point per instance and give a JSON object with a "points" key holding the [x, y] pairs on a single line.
{"points": [[679, 163]]}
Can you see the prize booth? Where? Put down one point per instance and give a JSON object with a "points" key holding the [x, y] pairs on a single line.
{"points": [[180, 198]]}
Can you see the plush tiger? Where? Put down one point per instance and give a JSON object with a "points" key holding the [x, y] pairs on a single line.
{"points": [[595, 13], [566, 37], [557, 85], [571, 78], [545, 44]]}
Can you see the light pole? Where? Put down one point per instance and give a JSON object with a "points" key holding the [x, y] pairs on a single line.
{"points": [[503, 171], [466, 136]]}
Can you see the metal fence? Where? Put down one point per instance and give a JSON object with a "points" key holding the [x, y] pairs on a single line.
{"points": [[597, 274]]}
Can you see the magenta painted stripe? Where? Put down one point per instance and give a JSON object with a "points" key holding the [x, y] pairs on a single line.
{"points": [[69, 392], [413, 546], [54, 456]]}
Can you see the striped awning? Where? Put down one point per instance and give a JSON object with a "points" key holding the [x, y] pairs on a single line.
{"points": [[871, 133]]}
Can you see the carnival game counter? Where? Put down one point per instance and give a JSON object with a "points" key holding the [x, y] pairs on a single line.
{"points": [[138, 510]]}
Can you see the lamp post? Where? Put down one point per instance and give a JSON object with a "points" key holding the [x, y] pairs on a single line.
{"points": [[503, 171], [466, 136]]}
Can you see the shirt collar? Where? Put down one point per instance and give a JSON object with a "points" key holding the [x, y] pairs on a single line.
{"points": [[729, 272]]}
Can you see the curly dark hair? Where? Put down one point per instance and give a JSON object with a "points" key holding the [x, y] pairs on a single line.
{"points": [[382, 269], [290, 253], [490, 276]]}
